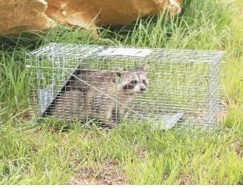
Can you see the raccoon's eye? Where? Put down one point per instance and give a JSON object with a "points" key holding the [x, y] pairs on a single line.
{"points": [[144, 82], [134, 82]]}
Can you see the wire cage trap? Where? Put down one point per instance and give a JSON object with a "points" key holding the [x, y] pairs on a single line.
{"points": [[115, 84]]}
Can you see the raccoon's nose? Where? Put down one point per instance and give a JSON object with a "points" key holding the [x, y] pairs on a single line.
{"points": [[143, 89]]}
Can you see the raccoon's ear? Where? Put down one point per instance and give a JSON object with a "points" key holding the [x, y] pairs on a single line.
{"points": [[117, 77], [118, 74]]}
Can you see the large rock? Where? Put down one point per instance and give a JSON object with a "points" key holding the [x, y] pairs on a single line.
{"points": [[17, 16], [89, 13], [28, 15]]}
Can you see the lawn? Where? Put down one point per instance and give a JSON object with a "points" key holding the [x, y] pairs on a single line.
{"points": [[49, 152]]}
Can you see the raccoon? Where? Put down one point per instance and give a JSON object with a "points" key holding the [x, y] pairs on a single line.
{"points": [[100, 95]]}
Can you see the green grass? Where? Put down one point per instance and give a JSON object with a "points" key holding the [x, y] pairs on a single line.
{"points": [[49, 152]]}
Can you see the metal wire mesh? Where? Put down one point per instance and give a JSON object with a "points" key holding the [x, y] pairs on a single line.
{"points": [[110, 84]]}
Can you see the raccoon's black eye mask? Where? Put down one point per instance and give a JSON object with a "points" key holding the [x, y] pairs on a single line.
{"points": [[144, 82], [130, 85]]}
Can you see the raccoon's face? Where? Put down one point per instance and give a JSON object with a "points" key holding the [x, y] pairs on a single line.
{"points": [[134, 82]]}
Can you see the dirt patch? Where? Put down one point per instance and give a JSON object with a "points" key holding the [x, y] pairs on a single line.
{"points": [[109, 174]]}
